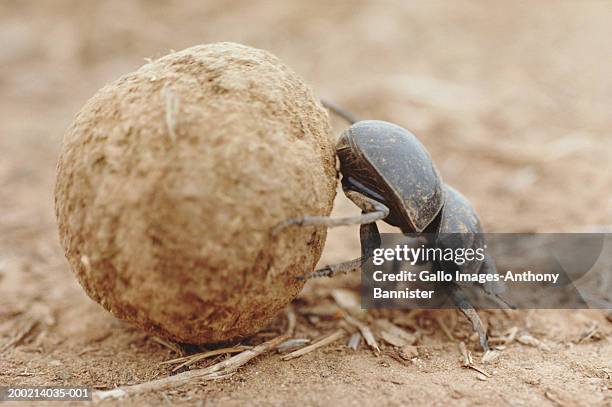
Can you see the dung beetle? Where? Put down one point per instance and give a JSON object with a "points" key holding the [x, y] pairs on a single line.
{"points": [[390, 176]]}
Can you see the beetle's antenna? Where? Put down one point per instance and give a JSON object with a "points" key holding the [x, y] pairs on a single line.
{"points": [[332, 107]]}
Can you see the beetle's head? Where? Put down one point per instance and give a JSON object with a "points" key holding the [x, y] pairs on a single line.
{"points": [[357, 175], [389, 164]]}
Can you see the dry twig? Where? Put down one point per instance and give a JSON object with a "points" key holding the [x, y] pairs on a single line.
{"points": [[217, 371], [20, 335], [291, 321], [468, 362], [387, 326], [170, 345], [489, 356], [591, 333], [556, 398], [354, 341], [466, 354], [191, 359], [392, 339], [318, 344], [292, 344], [365, 331], [347, 300], [408, 352], [531, 341], [506, 339]]}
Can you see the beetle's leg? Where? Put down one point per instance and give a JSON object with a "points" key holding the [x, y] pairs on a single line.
{"points": [[335, 269], [339, 111], [488, 267], [494, 288], [370, 240], [371, 212], [468, 310], [501, 302]]}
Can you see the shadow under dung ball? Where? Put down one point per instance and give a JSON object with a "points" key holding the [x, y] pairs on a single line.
{"points": [[169, 183]]}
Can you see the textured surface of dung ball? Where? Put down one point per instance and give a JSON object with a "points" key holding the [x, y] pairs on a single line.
{"points": [[171, 178]]}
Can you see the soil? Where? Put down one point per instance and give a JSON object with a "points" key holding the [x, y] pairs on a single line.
{"points": [[511, 99]]}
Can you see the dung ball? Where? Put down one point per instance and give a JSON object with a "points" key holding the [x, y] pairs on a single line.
{"points": [[171, 179]]}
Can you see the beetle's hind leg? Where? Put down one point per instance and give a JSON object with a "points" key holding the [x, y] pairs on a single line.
{"points": [[370, 240], [468, 310], [371, 212]]}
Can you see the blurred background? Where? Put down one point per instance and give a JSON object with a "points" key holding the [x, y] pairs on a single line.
{"points": [[512, 99]]}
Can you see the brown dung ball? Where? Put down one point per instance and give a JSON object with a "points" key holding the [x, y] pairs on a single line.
{"points": [[171, 179]]}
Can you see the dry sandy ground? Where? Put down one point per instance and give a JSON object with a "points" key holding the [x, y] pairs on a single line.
{"points": [[513, 100]]}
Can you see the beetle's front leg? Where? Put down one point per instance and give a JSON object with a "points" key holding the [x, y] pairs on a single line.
{"points": [[370, 240], [371, 212]]}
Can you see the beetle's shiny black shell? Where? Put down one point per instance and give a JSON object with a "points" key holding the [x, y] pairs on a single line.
{"points": [[391, 162], [458, 215], [460, 227]]}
